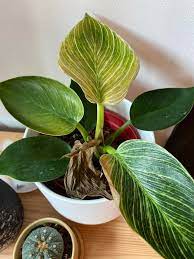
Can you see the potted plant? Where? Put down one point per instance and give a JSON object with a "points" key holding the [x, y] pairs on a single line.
{"points": [[153, 191], [11, 215], [48, 238], [95, 210]]}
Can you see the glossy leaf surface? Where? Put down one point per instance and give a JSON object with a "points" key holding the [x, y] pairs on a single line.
{"points": [[42, 104], [35, 159], [162, 108], [90, 109], [155, 195], [99, 61]]}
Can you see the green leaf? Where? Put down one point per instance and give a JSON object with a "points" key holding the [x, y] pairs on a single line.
{"points": [[99, 61], [162, 108], [35, 159], [90, 109], [42, 104], [155, 194]]}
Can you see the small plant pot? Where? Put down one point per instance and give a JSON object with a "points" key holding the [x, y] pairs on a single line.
{"points": [[96, 211], [77, 243]]}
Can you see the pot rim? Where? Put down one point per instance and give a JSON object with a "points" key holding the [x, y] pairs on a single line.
{"points": [[70, 200], [75, 237], [93, 201]]}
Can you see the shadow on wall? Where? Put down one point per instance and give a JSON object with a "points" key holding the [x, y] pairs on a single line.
{"points": [[18, 24], [20, 49], [155, 57]]}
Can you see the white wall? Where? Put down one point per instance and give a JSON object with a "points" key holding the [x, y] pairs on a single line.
{"points": [[161, 31]]}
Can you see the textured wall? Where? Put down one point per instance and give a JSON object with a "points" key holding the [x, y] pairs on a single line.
{"points": [[162, 33]]}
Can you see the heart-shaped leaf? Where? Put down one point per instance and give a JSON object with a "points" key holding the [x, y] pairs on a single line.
{"points": [[42, 104], [155, 195], [162, 108], [35, 159], [99, 61], [90, 109]]}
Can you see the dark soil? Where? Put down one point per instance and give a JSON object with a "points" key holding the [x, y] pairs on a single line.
{"points": [[66, 238]]}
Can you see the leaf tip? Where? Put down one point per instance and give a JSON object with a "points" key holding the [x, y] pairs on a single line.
{"points": [[89, 16], [86, 15]]}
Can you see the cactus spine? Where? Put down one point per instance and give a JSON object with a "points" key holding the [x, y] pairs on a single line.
{"points": [[43, 243]]}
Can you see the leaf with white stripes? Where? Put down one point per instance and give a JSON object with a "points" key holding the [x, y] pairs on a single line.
{"points": [[100, 61], [155, 195]]}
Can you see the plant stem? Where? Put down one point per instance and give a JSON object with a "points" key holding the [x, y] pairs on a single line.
{"points": [[83, 131], [107, 149], [115, 134], [100, 121]]}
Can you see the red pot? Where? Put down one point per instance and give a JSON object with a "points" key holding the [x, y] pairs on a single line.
{"points": [[114, 121]]}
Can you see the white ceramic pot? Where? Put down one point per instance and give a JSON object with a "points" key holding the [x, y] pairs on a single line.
{"points": [[96, 211]]}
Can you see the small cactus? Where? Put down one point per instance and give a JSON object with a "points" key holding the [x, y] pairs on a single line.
{"points": [[43, 243]]}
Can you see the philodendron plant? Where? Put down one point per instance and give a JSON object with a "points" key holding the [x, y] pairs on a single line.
{"points": [[153, 190]]}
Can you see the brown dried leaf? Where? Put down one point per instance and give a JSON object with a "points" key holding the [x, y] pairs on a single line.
{"points": [[82, 178]]}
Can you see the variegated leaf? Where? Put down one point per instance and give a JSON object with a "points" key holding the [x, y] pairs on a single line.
{"points": [[156, 196], [99, 61]]}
